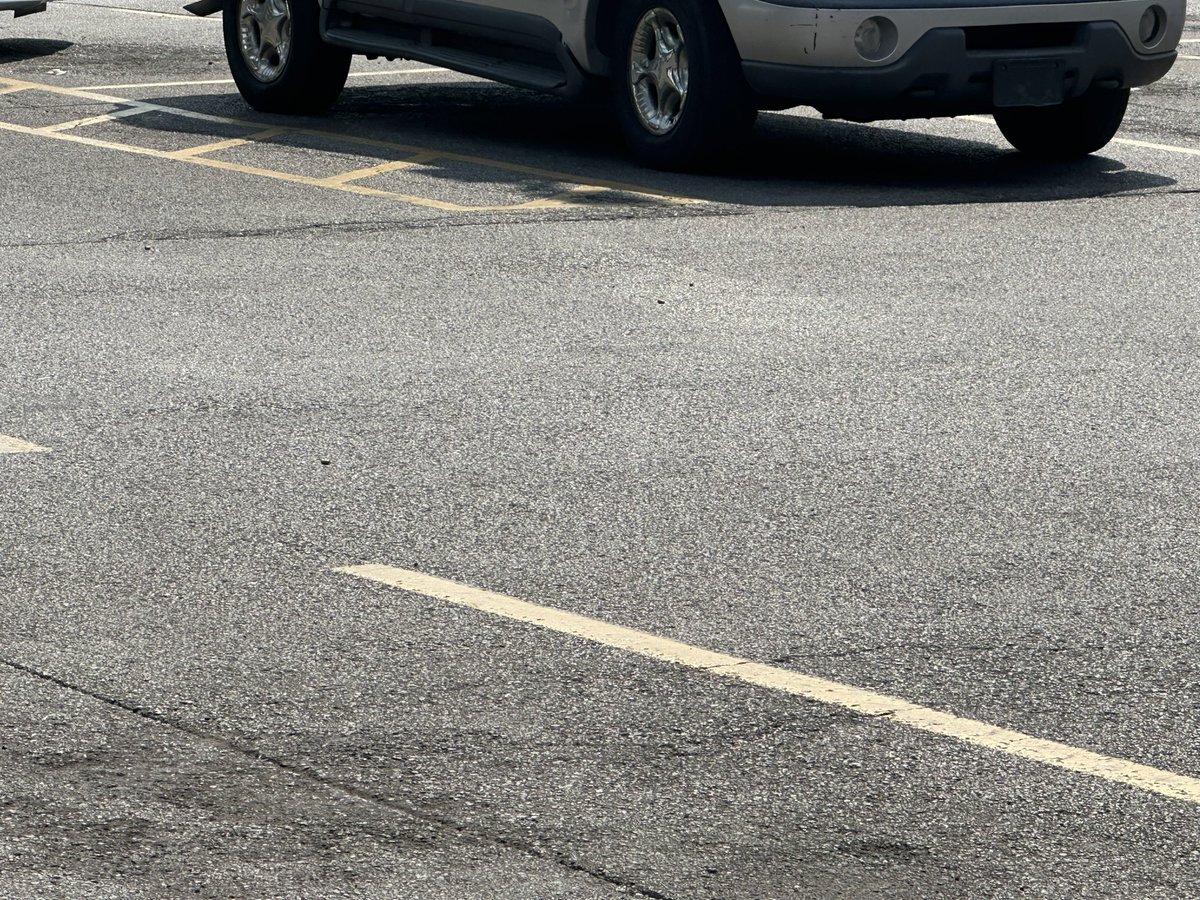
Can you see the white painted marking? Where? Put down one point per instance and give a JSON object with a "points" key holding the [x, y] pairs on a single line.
{"points": [[1150, 145], [16, 445], [821, 690], [1185, 56], [1129, 142], [424, 70]]}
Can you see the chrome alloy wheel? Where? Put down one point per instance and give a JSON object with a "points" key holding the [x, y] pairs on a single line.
{"points": [[265, 33], [658, 70]]}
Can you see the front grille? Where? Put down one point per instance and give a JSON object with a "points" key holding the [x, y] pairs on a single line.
{"points": [[1022, 37]]}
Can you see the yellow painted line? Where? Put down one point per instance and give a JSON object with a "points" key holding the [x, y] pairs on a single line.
{"points": [[381, 169], [12, 89], [86, 141], [217, 146], [16, 445], [821, 690], [207, 81], [361, 190], [92, 120], [293, 178], [544, 174]]}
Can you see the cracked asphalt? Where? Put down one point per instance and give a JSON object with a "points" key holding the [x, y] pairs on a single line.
{"points": [[890, 406]]}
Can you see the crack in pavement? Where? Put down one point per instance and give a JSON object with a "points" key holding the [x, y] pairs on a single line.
{"points": [[377, 227], [452, 828]]}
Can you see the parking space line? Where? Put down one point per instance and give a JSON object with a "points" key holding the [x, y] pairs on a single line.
{"points": [[217, 146], [207, 81], [1150, 145], [562, 200], [820, 690], [359, 189], [16, 445], [381, 169], [83, 139], [93, 120], [1129, 142]]}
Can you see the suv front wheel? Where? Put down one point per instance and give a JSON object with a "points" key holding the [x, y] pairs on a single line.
{"points": [[680, 96], [278, 60]]}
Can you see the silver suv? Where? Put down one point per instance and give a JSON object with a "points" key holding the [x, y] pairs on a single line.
{"points": [[688, 76]]}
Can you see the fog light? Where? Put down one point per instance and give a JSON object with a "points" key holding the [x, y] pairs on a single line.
{"points": [[875, 38], [1152, 26]]}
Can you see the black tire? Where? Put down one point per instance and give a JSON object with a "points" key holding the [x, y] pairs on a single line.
{"points": [[1080, 126], [717, 111], [312, 73]]}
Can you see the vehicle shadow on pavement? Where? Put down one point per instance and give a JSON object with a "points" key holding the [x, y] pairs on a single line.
{"points": [[21, 49], [790, 160]]}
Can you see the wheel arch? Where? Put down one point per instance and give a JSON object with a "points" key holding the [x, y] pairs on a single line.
{"points": [[602, 25]]}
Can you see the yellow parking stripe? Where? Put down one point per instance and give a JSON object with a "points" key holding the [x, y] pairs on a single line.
{"points": [[381, 169], [788, 681], [217, 146], [93, 120], [561, 200], [16, 445]]}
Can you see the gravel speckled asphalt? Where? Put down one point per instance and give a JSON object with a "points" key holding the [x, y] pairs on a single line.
{"points": [[892, 406]]}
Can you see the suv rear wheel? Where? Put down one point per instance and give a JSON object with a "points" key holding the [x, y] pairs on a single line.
{"points": [[1080, 126], [277, 57], [680, 96]]}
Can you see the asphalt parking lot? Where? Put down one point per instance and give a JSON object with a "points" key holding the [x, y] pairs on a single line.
{"points": [[424, 501]]}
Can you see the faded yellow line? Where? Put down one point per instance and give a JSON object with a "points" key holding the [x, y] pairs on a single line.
{"points": [[16, 445], [821, 690], [217, 146], [92, 120], [360, 190], [86, 141], [207, 81], [545, 174], [381, 169], [12, 89]]}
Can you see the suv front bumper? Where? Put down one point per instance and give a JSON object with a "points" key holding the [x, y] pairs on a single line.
{"points": [[942, 57], [938, 76]]}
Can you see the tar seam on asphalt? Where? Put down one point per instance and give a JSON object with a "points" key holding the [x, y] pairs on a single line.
{"points": [[452, 828], [465, 221]]}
